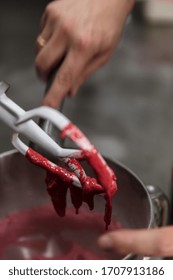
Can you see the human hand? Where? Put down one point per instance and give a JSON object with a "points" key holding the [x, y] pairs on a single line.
{"points": [[153, 242], [83, 33]]}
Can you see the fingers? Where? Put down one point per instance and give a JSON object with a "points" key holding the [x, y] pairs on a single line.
{"points": [[90, 68], [49, 56], [74, 71], [153, 242], [45, 34], [64, 81]]}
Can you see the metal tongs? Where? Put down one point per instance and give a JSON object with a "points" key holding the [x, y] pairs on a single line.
{"points": [[22, 124]]}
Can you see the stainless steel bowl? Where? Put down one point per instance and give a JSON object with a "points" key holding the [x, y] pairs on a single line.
{"points": [[28, 218]]}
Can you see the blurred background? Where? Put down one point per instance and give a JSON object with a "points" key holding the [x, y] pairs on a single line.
{"points": [[126, 107]]}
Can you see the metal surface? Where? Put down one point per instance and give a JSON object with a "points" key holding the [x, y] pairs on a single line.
{"points": [[24, 188], [161, 206]]}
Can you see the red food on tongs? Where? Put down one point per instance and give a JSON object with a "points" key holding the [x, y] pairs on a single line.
{"points": [[82, 187]]}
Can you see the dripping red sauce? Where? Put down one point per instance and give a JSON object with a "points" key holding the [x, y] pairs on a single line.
{"points": [[59, 180]]}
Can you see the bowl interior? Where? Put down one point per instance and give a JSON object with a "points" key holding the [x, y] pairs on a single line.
{"points": [[30, 228]]}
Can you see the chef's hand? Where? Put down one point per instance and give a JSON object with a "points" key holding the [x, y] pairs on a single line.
{"points": [[153, 242], [84, 33]]}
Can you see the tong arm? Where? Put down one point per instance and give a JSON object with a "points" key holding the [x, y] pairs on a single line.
{"points": [[23, 148], [55, 117], [10, 112]]}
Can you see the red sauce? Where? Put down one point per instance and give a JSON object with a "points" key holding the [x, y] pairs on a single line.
{"points": [[105, 175], [39, 233], [59, 180]]}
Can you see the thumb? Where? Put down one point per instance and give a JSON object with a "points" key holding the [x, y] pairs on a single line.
{"points": [[152, 242]]}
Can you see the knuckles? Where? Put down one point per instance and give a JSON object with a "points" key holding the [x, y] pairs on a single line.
{"points": [[83, 43], [88, 43], [65, 78], [92, 41], [83, 40], [51, 12], [67, 27]]}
